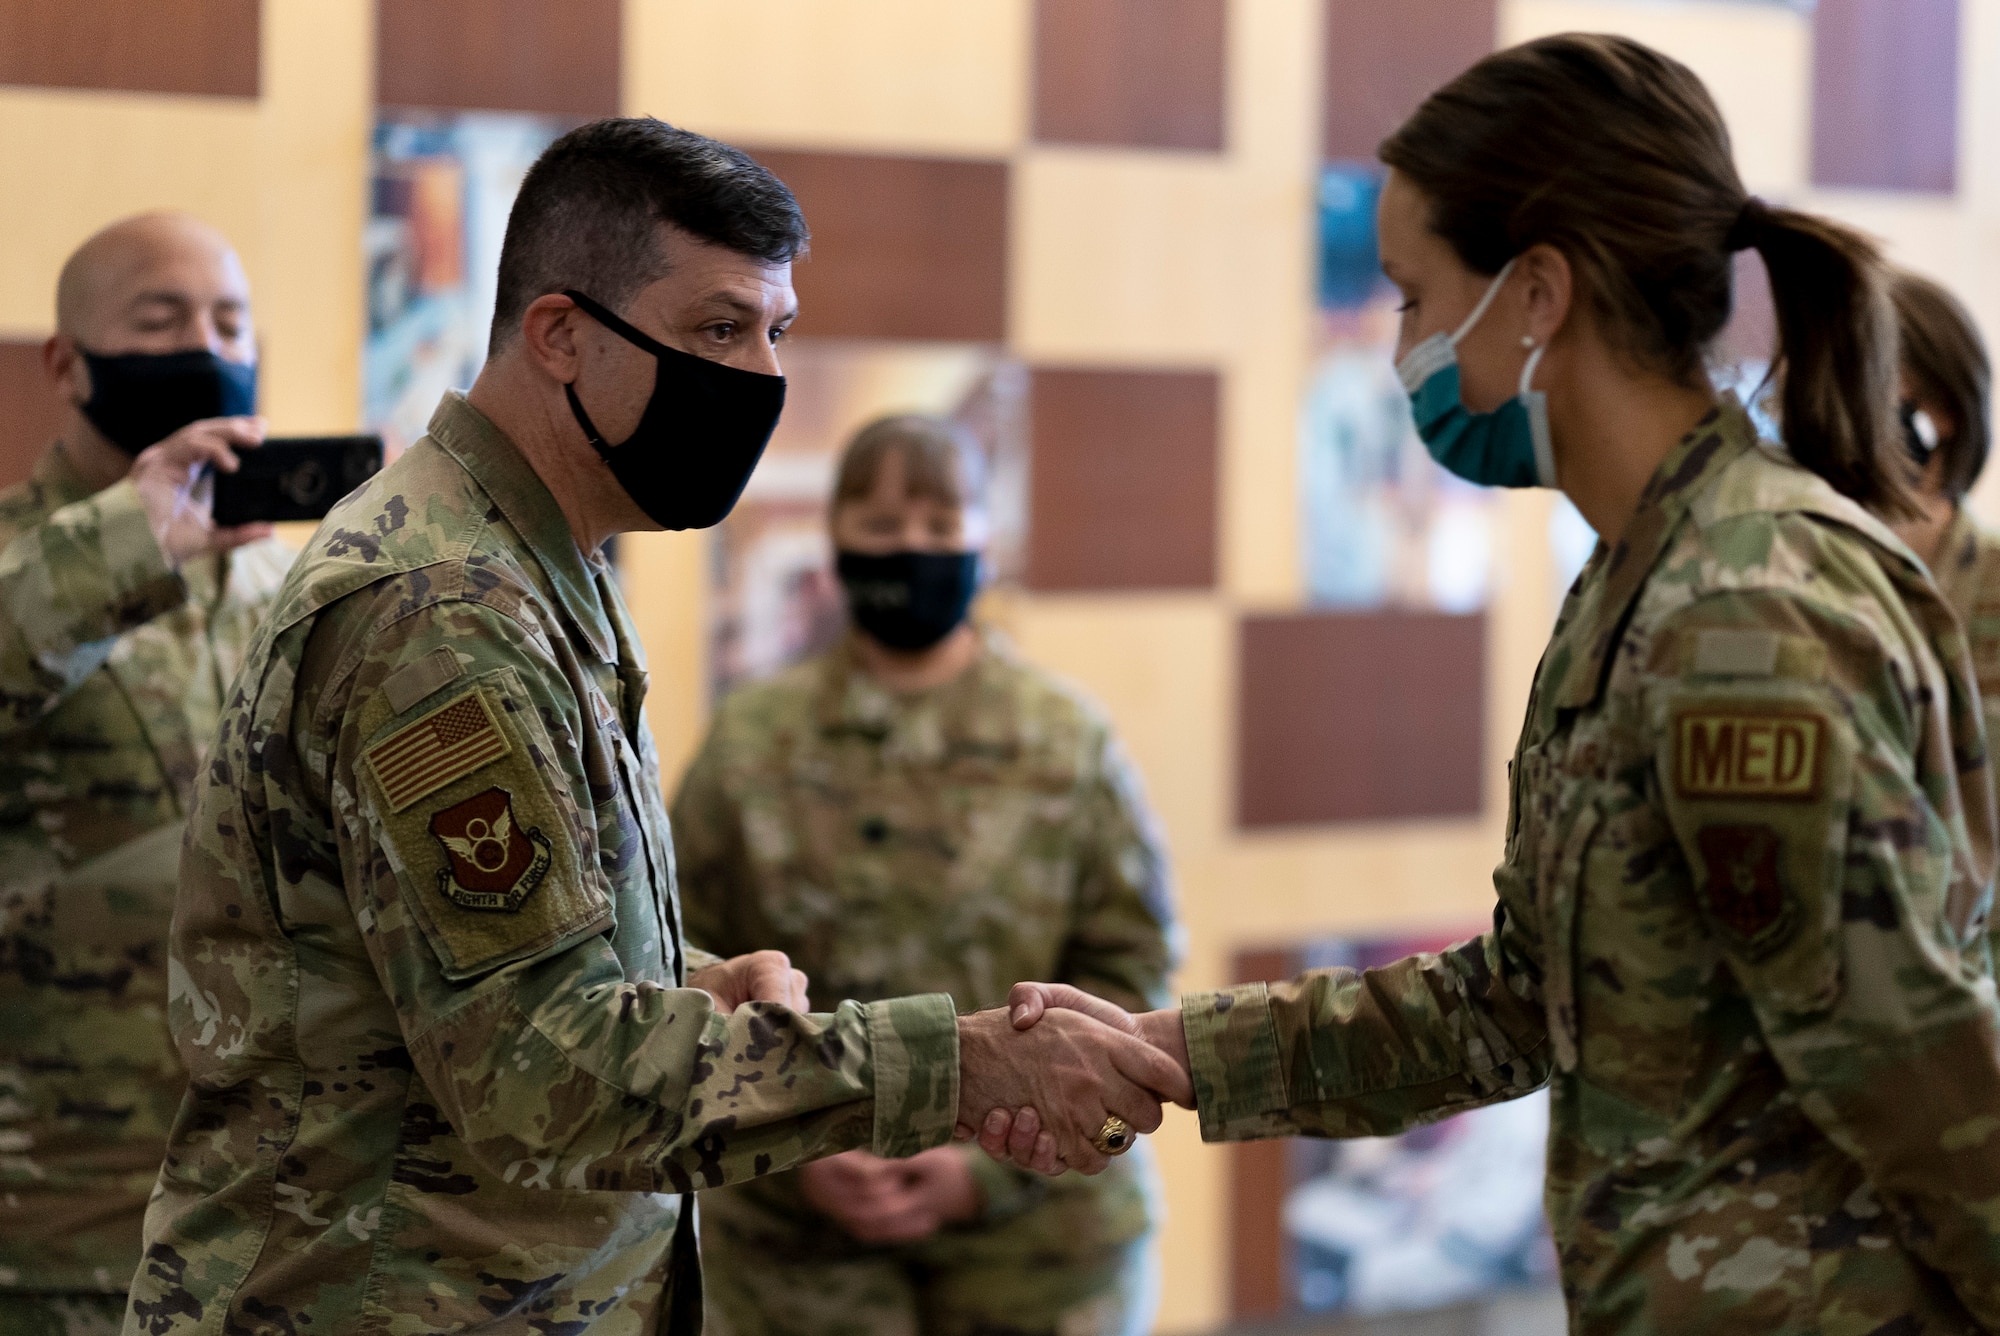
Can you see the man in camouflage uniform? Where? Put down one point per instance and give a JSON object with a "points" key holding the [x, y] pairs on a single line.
{"points": [[123, 615], [447, 1071], [1740, 933], [964, 823]]}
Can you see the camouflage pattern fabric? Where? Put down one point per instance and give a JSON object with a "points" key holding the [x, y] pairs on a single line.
{"points": [[953, 840], [23, 1314], [1967, 572], [1740, 932], [112, 670], [426, 964], [980, 1288]]}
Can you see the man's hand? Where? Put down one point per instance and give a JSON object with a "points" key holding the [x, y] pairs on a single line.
{"points": [[178, 491], [1072, 1071], [1026, 1003], [761, 976], [1016, 1134], [893, 1201]]}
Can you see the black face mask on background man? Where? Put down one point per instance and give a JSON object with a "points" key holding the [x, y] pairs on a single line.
{"points": [[700, 437], [140, 399], [909, 600]]}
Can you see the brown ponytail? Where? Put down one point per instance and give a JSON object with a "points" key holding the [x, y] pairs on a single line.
{"points": [[1616, 155], [1836, 363]]}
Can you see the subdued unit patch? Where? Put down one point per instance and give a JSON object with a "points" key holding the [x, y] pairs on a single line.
{"points": [[413, 681], [1743, 888], [449, 743], [1748, 751], [493, 862]]}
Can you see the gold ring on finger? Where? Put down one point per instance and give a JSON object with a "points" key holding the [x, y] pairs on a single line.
{"points": [[1115, 1137]]}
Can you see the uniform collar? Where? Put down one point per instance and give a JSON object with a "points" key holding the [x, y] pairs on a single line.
{"points": [[1955, 568], [55, 473], [1579, 658], [852, 701], [511, 483]]}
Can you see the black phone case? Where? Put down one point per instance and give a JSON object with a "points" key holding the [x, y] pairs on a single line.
{"points": [[294, 478]]}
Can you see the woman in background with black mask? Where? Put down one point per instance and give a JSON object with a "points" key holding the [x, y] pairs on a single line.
{"points": [[917, 809]]}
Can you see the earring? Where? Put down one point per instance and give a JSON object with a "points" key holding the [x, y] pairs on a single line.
{"points": [[1527, 340]]}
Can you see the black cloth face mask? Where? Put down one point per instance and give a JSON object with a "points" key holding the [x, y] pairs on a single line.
{"points": [[702, 433], [909, 600], [140, 399]]}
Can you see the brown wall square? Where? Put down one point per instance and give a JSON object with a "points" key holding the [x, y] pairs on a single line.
{"points": [[902, 248], [554, 56], [1359, 717], [206, 47], [1134, 73], [28, 406], [1122, 491], [1384, 57], [1260, 1176], [1885, 94]]}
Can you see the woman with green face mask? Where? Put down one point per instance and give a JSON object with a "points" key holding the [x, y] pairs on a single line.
{"points": [[920, 809], [1739, 929]]}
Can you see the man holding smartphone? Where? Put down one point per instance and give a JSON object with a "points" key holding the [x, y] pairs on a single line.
{"points": [[124, 613]]}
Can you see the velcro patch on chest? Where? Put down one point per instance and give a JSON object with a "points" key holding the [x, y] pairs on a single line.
{"points": [[449, 743], [1754, 752]]}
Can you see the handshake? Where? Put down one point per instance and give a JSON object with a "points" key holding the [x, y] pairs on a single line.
{"points": [[1060, 1079]]}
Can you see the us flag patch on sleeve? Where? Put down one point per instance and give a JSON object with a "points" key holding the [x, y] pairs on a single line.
{"points": [[449, 743]]}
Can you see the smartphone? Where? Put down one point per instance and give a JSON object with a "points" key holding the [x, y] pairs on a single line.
{"points": [[294, 477]]}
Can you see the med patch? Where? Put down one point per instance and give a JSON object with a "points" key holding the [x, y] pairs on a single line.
{"points": [[1753, 752], [1758, 782]]}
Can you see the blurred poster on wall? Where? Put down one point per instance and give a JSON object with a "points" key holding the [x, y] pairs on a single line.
{"points": [[1383, 525], [1441, 1215], [776, 597], [443, 184]]}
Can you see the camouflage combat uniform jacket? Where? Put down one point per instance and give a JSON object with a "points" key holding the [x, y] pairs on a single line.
{"points": [[955, 840], [1740, 933], [1967, 571], [112, 669], [427, 969]]}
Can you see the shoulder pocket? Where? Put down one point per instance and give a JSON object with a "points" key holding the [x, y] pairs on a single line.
{"points": [[473, 809], [1758, 780]]}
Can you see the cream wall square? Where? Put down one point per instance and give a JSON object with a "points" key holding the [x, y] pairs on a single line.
{"points": [[893, 76], [81, 160], [284, 176], [1756, 59]]}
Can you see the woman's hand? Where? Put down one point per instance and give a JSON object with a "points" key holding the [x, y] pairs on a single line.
{"points": [[893, 1201], [761, 976]]}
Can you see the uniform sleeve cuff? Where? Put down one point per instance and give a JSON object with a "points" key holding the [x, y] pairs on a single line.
{"points": [[913, 1048], [694, 960], [139, 570], [1233, 1055], [113, 578]]}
